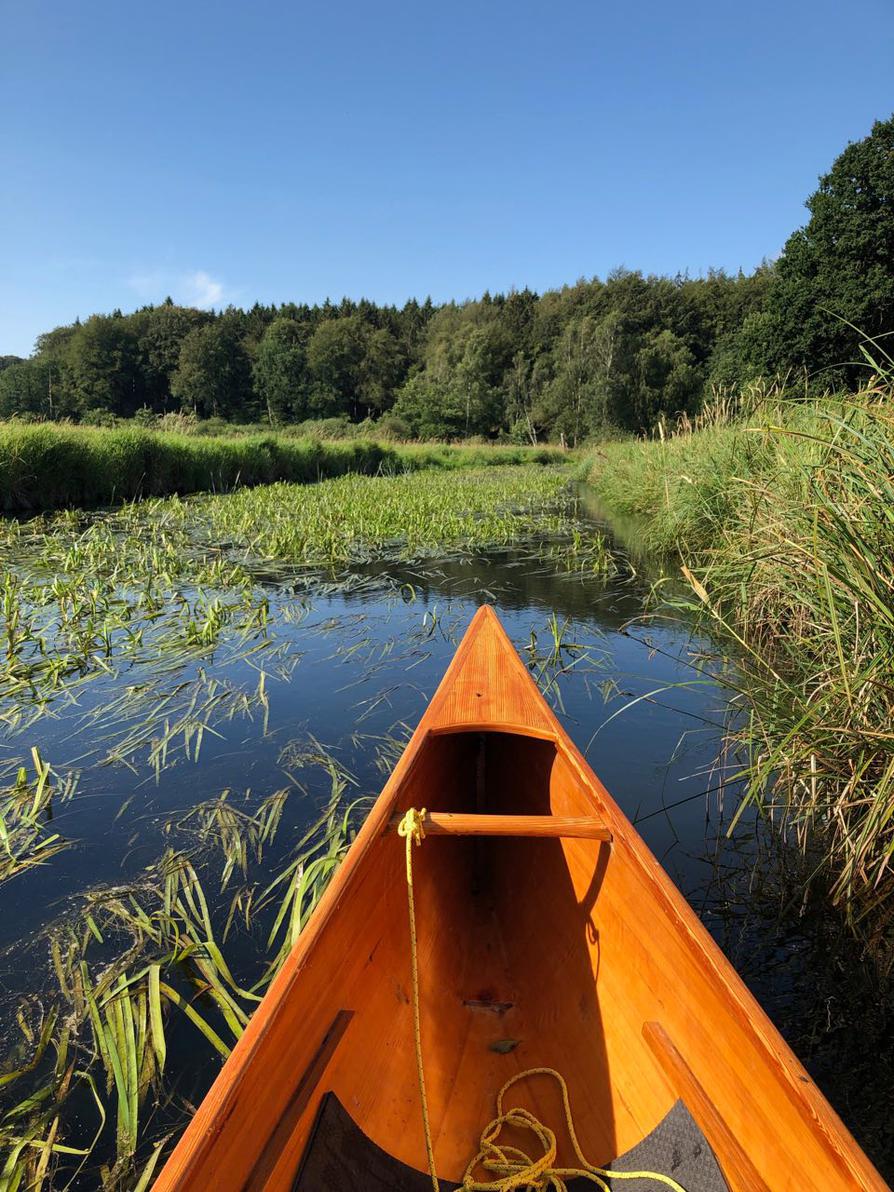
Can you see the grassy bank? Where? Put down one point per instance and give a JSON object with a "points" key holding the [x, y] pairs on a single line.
{"points": [[785, 526], [52, 466]]}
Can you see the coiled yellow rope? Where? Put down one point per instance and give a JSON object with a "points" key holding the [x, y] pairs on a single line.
{"points": [[515, 1171]]}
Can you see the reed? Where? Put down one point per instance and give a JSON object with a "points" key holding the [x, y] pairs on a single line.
{"points": [[784, 525], [56, 465]]}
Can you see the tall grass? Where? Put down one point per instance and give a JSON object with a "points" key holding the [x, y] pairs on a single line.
{"points": [[51, 466], [785, 527], [692, 475]]}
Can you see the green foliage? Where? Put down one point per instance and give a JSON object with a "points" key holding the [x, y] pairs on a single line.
{"points": [[160, 334], [579, 399], [51, 466], [101, 366], [836, 273], [26, 388], [280, 371], [355, 518], [213, 376], [353, 367], [562, 366]]}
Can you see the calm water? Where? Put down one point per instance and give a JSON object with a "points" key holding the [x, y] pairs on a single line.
{"points": [[351, 671]]}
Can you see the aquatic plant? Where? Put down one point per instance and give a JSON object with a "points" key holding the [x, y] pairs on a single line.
{"points": [[129, 959], [26, 836], [356, 519], [144, 629], [784, 524]]}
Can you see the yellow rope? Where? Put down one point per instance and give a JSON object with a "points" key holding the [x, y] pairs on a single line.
{"points": [[411, 827], [515, 1170]]}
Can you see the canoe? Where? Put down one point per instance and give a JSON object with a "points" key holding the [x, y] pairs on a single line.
{"points": [[548, 936]]}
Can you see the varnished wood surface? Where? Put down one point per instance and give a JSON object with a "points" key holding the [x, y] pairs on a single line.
{"points": [[305, 1089], [440, 823], [578, 943], [683, 1084]]}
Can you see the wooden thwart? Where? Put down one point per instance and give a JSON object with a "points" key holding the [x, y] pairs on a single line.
{"points": [[438, 823]]}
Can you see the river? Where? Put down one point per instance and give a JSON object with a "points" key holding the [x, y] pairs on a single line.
{"points": [[347, 674]]}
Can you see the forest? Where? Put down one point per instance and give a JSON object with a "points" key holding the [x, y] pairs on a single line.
{"points": [[568, 365]]}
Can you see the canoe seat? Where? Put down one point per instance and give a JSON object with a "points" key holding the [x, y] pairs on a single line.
{"points": [[339, 1157]]}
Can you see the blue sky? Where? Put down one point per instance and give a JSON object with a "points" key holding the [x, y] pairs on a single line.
{"points": [[227, 152]]}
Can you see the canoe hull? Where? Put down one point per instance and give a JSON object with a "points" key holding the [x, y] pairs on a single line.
{"points": [[572, 953]]}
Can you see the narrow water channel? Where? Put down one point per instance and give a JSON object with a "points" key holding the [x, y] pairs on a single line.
{"points": [[349, 674]]}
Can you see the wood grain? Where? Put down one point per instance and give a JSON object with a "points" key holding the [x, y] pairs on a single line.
{"points": [[581, 943], [449, 824], [684, 1085], [304, 1090]]}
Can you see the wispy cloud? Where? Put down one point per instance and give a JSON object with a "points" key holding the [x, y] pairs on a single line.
{"points": [[202, 290], [198, 288]]}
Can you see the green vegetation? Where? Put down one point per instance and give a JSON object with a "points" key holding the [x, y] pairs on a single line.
{"points": [[131, 958], [85, 596], [296, 424], [784, 524], [360, 518], [563, 366], [52, 466], [520, 366], [684, 480], [131, 623], [835, 277], [25, 837]]}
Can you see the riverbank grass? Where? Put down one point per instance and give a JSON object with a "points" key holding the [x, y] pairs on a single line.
{"points": [[53, 466], [785, 528]]}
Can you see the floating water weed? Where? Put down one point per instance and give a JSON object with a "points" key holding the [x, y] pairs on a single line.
{"points": [[133, 956], [25, 812], [354, 519]]}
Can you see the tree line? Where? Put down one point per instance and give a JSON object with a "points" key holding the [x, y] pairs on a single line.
{"points": [[567, 364]]}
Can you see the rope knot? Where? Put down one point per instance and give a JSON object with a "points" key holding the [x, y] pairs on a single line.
{"points": [[412, 826]]}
